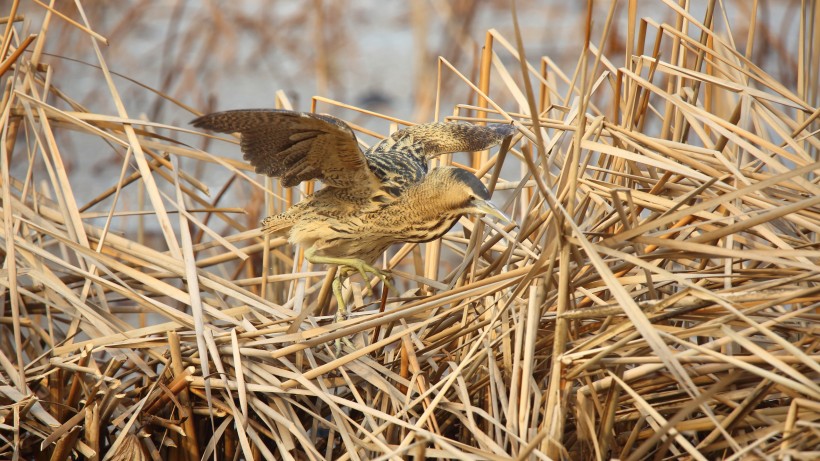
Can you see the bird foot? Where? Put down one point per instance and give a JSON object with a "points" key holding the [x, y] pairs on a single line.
{"points": [[341, 314], [363, 268], [337, 346]]}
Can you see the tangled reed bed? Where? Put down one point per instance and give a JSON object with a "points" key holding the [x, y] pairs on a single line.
{"points": [[658, 296]]}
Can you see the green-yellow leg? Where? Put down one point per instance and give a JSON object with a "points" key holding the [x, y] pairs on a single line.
{"points": [[347, 265], [341, 311], [353, 263]]}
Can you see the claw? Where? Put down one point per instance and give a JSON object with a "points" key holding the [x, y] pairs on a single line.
{"points": [[363, 268], [387, 280], [338, 346], [347, 265]]}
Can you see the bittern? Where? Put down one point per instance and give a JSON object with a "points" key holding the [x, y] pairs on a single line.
{"points": [[371, 199]]}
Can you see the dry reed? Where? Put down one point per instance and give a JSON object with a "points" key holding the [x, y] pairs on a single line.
{"points": [[658, 297]]}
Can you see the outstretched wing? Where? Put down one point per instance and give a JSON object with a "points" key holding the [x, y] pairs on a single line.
{"points": [[400, 160], [429, 140], [296, 146]]}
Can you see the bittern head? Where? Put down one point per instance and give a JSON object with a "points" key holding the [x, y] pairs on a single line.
{"points": [[465, 193]]}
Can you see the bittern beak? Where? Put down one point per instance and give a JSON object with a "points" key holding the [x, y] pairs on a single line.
{"points": [[487, 207]]}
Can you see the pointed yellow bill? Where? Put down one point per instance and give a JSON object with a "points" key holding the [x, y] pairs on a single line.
{"points": [[487, 207]]}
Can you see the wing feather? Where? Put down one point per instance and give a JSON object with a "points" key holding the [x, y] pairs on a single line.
{"points": [[400, 160], [296, 146]]}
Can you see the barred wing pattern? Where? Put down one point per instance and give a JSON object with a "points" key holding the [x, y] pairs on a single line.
{"points": [[299, 146], [296, 146]]}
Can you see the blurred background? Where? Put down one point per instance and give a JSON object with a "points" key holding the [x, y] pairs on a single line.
{"points": [[215, 55]]}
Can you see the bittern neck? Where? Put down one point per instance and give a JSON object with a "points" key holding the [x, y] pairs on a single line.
{"points": [[429, 215]]}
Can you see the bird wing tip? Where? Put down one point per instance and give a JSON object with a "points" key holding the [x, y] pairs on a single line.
{"points": [[505, 129]]}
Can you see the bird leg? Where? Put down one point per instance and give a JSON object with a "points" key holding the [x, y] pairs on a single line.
{"points": [[341, 311], [351, 263], [347, 265]]}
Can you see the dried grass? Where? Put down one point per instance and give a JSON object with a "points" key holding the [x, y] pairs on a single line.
{"points": [[658, 297]]}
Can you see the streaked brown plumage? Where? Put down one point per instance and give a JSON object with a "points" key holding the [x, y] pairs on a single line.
{"points": [[371, 199]]}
